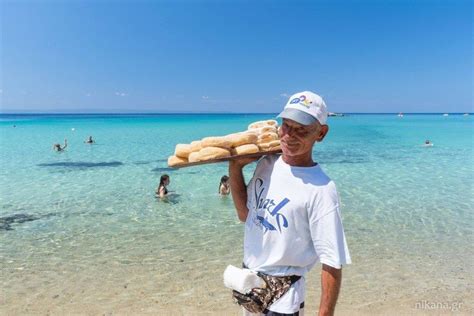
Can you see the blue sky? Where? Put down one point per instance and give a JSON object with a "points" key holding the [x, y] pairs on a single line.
{"points": [[235, 56]]}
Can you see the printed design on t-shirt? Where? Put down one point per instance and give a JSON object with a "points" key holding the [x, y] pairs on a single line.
{"points": [[269, 216]]}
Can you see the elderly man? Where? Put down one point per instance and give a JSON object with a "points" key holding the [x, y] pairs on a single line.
{"points": [[291, 210]]}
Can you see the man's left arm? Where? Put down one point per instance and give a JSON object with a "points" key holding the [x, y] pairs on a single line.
{"points": [[330, 285], [327, 233]]}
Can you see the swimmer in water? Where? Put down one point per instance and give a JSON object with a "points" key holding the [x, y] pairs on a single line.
{"points": [[428, 143], [162, 191], [224, 186], [89, 140], [58, 148]]}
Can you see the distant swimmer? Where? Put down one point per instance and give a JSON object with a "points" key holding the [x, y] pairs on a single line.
{"points": [[162, 191], [89, 140], [58, 148], [224, 186], [428, 143]]}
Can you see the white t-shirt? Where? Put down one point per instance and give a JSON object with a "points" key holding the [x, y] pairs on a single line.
{"points": [[293, 222]]}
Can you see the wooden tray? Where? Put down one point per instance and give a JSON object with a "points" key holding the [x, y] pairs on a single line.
{"points": [[259, 154]]}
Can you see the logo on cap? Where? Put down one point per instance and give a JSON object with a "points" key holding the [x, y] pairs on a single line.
{"points": [[302, 100]]}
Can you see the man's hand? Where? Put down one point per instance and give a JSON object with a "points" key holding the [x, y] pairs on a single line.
{"points": [[241, 162], [330, 285]]}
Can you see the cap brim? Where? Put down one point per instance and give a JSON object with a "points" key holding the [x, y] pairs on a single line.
{"points": [[298, 116]]}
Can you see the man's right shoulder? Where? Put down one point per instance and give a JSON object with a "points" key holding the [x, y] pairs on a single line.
{"points": [[267, 161]]}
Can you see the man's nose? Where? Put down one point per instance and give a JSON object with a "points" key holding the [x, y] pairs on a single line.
{"points": [[288, 131]]}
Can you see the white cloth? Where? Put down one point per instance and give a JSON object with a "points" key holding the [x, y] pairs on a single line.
{"points": [[293, 222], [241, 280]]}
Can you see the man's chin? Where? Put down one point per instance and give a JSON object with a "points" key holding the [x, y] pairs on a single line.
{"points": [[286, 151]]}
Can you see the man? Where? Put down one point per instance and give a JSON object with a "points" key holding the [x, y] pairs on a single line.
{"points": [[291, 210]]}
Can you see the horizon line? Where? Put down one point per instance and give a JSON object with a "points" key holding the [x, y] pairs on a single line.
{"points": [[204, 112]]}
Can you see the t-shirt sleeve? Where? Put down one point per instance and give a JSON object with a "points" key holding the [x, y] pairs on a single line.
{"points": [[251, 184], [327, 233]]}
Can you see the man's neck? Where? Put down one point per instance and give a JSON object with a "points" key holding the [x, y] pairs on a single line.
{"points": [[299, 161]]}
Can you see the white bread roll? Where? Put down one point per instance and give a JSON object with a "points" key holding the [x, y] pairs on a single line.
{"points": [[265, 129], [176, 161], [261, 124], [242, 139], [208, 153], [255, 131], [194, 156], [196, 145], [245, 149], [267, 137], [222, 142], [269, 145], [182, 150], [272, 123], [274, 148]]}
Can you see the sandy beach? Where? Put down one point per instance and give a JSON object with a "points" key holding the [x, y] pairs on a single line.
{"points": [[142, 294]]}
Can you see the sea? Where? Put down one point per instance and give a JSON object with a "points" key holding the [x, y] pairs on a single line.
{"points": [[81, 231]]}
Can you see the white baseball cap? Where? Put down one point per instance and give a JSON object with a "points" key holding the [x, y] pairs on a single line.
{"points": [[305, 108]]}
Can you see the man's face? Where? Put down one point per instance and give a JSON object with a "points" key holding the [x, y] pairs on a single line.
{"points": [[297, 139]]}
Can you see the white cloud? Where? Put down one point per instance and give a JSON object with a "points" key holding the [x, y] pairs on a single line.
{"points": [[284, 95], [88, 94], [121, 94], [1, 91], [205, 97]]}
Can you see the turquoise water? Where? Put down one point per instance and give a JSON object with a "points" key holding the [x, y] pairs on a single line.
{"points": [[82, 222]]}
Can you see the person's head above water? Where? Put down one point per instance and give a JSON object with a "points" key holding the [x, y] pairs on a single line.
{"points": [[304, 123], [224, 179], [164, 180]]}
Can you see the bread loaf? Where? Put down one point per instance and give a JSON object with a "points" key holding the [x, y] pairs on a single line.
{"points": [[222, 142], [268, 145], [208, 153], [196, 145], [245, 149], [175, 161], [194, 156], [242, 139], [260, 124], [267, 137], [182, 150]]}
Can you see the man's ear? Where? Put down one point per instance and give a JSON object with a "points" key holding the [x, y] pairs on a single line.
{"points": [[323, 130]]}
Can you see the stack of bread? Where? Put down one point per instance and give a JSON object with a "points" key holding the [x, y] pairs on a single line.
{"points": [[261, 136]]}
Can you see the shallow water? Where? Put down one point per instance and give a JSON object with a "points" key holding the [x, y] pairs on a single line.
{"points": [[83, 227]]}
